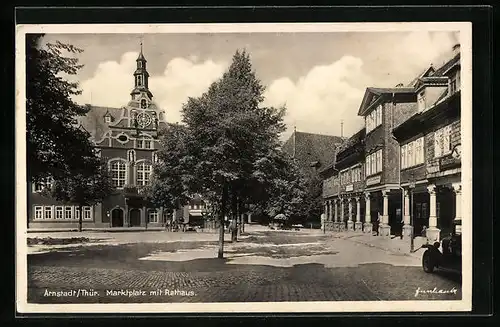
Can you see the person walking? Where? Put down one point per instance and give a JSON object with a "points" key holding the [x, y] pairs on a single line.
{"points": [[378, 223]]}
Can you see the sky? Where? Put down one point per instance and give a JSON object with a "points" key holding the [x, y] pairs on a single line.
{"points": [[320, 77]]}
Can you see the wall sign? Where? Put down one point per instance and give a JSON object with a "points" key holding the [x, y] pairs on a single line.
{"points": [[448, 162], [373, 180]]}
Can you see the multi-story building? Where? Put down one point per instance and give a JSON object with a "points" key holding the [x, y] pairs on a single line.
{"points": [[344, 184], [424, 117], [127, 138], [430, 154]]}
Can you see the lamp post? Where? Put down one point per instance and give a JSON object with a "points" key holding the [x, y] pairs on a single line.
{"points": [[412, 223]]}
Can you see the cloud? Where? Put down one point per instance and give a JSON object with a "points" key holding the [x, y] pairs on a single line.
{"points": [[112, 83], [327, 94]]}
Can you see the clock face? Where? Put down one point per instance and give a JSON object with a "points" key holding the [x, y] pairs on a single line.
{"points": [[143, 119]]}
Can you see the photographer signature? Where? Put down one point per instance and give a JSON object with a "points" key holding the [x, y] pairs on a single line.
{"points": [[435, 290]]}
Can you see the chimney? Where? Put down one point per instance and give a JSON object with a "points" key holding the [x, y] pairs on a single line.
{"points": [[456, 49]]}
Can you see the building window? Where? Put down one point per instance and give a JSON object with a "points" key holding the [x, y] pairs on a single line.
{"points": [[38, 212], [68, 212], [153, 216], [45, 183], [374, 163], [356, 174], [412, 154], [77, 213], [144, 104], [345, 177], [59, 213], [144, 143], [107, 119], [87, 213], [48, 212], [442, 144], [143, 173], [118, 173], [374, 119], [139, 80], [455, 83]]}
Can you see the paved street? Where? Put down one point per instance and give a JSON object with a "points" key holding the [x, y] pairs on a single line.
{"points": [[262, 266]]}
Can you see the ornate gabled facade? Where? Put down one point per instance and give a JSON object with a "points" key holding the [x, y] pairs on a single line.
{"points": [[127, 138], [408, 146]]}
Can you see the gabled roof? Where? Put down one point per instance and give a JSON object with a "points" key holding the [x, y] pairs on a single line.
{"points": [[429, 71], [448, 65], [372, 92]]}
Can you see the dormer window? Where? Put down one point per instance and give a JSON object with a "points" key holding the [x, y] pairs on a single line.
{"points": [[455, 83], [421, 101], [107, 119]]}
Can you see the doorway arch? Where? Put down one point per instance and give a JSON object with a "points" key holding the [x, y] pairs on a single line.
{"points": [[135, 217], [117, 217]]}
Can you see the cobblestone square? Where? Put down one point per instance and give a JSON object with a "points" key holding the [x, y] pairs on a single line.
{"points": [[262, 266]]}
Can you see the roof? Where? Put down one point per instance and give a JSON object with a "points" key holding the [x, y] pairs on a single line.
{"points": [[372, 94], [141, 57], [310, 147], [425, 73], [448, 65], [94, 123], [445, 107], [353, 140]]}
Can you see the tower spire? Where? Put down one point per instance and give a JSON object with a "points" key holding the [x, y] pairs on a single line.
{"points": [[141, 77]]}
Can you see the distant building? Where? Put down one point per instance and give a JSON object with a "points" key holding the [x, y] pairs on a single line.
{"points": [[410, 144], [312, 151], [127, 138]]}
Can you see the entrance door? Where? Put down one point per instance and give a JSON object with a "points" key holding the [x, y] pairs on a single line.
{"points": [[117, 218], [135, 217]]}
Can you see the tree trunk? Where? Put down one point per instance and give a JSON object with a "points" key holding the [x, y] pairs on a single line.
{"points": [[80, 218], [221, 227], [234, 214]]}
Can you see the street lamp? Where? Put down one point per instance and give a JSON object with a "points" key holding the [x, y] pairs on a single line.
{"points": [[412, 230]]}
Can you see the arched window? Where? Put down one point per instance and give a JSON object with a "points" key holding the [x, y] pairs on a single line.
{"points": [[143, 173], [144, 103], [118, 172]]}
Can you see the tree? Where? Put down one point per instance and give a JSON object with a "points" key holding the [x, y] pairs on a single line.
{"points": [[85, 188], [230, 132], [172, 178], [55, 144]]}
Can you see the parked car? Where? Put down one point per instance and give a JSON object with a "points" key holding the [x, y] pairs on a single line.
{"points": [[449, 257]]}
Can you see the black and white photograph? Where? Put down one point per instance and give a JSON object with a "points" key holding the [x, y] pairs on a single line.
{"points": [[244, 167]]}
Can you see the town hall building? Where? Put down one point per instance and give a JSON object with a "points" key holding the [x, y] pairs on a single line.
{"points": [[127, 138]]}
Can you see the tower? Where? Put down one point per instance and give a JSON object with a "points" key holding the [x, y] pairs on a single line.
{"points": [[141, 80]]}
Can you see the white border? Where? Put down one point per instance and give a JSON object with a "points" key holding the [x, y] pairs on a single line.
{"points": [[465, 30]]}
